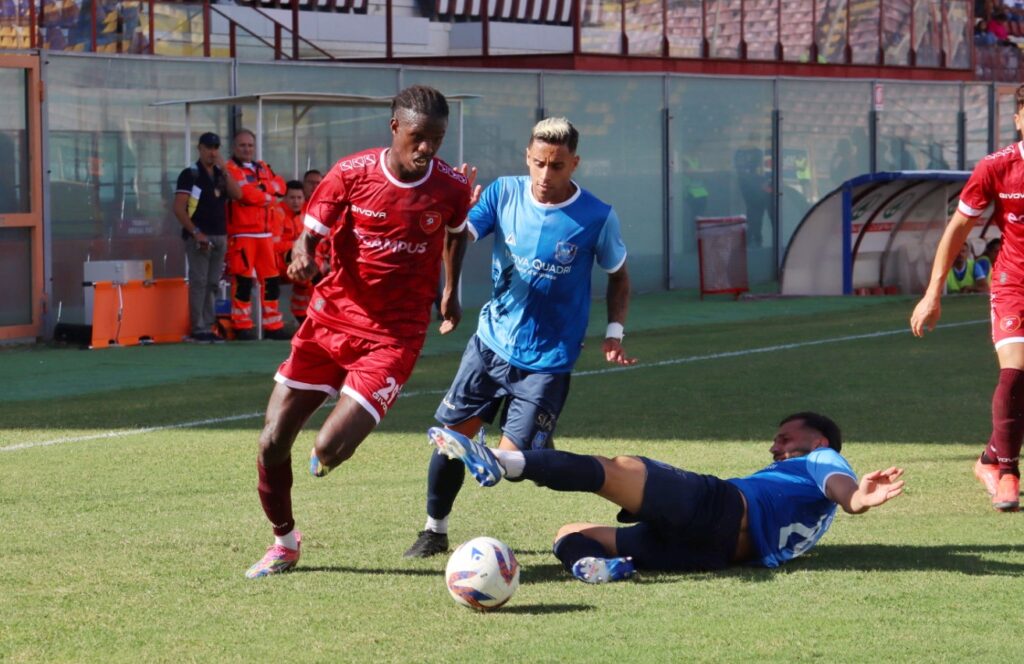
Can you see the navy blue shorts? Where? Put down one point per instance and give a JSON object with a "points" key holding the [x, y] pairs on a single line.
{"points": [[688, 522], [530, 402]]}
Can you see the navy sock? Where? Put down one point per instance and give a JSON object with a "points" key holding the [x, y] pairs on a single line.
{"points": [[563, 471], [444, 480], [574, 546]]}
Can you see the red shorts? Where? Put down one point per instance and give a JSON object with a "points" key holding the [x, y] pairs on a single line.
{"points": [[249, 255], [1007, 314], [371, 372]]}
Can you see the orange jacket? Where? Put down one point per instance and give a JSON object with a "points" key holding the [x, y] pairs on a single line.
{"points": [[287, 228], [260, 185]]}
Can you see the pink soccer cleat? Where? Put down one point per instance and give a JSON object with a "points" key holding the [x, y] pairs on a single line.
{"points": [[277, 560]]}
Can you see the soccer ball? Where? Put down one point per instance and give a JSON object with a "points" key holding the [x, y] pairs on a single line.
{"points": [[482, 574]]}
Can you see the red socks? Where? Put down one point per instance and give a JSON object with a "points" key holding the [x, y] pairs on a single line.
{"points": [[275, 488], [1007, 421]]}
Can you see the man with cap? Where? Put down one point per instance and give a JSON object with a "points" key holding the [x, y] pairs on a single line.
{"points": [[199, 206]]}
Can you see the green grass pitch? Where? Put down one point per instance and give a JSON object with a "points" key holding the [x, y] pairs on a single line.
{"points": [[125, 535]]}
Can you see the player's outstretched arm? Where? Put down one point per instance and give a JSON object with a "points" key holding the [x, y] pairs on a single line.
{"points": [[928, 310], [874, 489], [618, 306]]}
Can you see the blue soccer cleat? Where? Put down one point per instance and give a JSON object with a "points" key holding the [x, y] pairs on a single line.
{"points": [[480, 461], [316, 467], [603, 570]]}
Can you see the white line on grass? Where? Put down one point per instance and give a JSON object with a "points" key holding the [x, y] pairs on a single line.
{"points": [[595, 372]]}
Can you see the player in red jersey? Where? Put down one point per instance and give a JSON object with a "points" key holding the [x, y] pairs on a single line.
{"points": [[392, 216], [997, 180]]}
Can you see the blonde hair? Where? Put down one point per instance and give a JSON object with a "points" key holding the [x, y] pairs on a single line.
{"points": [[555, 131]]}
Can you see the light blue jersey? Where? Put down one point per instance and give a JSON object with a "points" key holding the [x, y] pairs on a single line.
{"points": [[787, 510], [543, 256]]}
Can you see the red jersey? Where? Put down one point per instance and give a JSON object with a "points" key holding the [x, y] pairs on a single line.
{"points": [[999, 179], [387, 241]]}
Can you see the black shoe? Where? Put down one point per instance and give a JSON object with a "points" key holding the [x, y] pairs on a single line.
{"points": [[427, 544], [279, 334], [245, 335]]}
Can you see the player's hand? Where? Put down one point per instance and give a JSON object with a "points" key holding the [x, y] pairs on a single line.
{"points": [[451, 314], [926, 315], [616, 354], [302, 268], [880, 486], [470, 173]]}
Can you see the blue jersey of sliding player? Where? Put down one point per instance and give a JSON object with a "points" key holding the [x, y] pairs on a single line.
{"points": [[787, 508], [541, 267]]}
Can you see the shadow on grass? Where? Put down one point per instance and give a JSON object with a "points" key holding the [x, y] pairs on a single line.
{"points": [[540, 609], [971, 559], [390, 571], [530, 574]]}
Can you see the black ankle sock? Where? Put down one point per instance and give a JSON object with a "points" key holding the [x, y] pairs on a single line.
{"points": [[574, 546]]}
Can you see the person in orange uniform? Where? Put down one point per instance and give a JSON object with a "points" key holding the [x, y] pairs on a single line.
{"points": [[250, 254], [293, 209]]}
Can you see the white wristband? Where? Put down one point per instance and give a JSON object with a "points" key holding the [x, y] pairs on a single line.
{"points": [[614, 331]]}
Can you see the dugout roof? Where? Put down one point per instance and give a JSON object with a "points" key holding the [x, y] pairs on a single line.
{"points": [[876, 233], [300, 102]]}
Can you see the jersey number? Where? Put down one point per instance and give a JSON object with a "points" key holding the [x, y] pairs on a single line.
{"points": [[808, 535]]}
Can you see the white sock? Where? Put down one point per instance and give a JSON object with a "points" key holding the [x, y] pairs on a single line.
{"points": [[437, 525], [512, 461], [288, 541]]}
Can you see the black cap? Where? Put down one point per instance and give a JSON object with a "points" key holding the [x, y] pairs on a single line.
{"points": [[210, 140]]}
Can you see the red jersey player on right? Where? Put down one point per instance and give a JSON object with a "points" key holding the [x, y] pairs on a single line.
{"points": [[392, 215], [997, 180]]}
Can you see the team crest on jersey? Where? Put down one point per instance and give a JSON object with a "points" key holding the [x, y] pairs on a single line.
{"points": [[510, 239], [318, 304], [430, 221], [565, 252], [1010, 323]]}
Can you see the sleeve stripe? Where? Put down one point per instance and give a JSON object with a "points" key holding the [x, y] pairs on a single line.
{"points": [[824, 482], [472, 231], [617, 266], [313, 224], [458, 229], [967, 210]]}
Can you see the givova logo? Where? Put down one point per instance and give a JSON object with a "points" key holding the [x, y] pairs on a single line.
{"points": [[374, 214], [386, 395]]}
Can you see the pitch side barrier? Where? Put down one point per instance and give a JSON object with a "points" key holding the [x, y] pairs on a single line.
{"points": [[876, 234]]}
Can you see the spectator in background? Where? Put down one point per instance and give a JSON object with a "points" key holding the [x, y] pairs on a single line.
{"points": [[694, 191], [755, 187], [250, 243], [842, 165], [982, 37], [999, 28], [293, 208], [200, 197], [988, 257], [310, 179], [967, 275]]}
